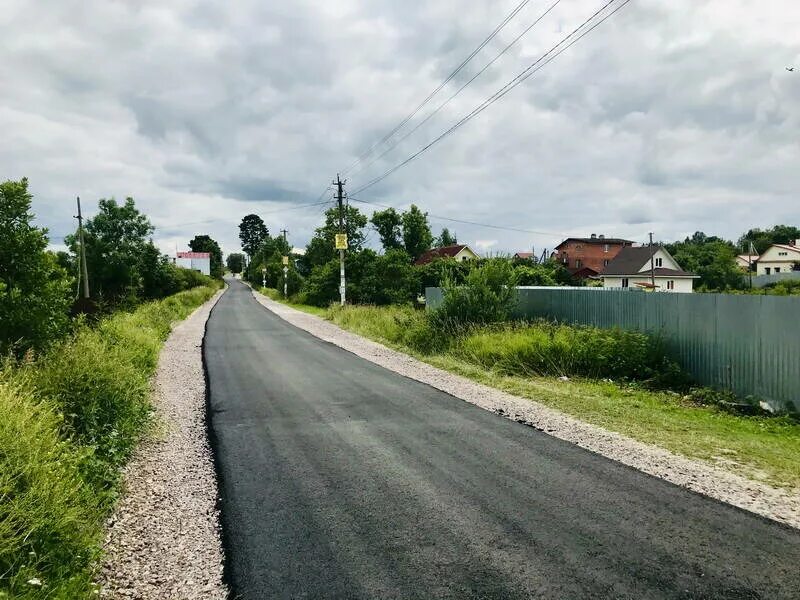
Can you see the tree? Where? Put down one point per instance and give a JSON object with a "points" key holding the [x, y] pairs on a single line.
{"points": [[235, 262], [321, 250], [204, 243], [763, 239], [445, 239], [387, 224], [710, 257], [34, 290], [417, 236], [252, 233], [116, 239]]}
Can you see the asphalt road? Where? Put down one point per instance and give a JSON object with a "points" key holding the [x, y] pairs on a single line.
{"points": [[340, 479]]}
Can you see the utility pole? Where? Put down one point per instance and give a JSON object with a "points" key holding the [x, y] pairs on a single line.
{"points": [[84, 269], [339, 199], [283, 233], [652, 263]]}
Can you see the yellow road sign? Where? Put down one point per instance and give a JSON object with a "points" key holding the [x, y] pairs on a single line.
{"points": [[341, 241], [285, 260]]}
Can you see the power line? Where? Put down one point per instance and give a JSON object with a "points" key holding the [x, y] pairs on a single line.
{"points": [[475, 223], [411, 115], [537, 65], [462, 88]]}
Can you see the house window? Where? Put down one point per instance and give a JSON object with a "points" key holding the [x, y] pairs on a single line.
{"points": [[624, 282], [670, 285], [578, 264], [777, 269], [766, 270], [605, 247], [783, 254], [605, 262], [659, 262]]}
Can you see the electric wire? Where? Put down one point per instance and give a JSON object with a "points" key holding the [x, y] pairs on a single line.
{"points": [[447, 80], [536, 66], [459, 90], [475, 223]]}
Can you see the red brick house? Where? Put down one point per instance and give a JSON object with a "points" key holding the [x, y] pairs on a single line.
{"points": [[586, 257]]}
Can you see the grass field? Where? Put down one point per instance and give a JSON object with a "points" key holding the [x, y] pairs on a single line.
{"points": [[69, 419], [761, 448]]}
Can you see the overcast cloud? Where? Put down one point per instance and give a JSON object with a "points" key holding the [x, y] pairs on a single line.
{"points": [[671, 117]]}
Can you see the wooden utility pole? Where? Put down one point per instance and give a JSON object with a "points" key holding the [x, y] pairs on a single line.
{"points": [[84, 269], [283, 233], [652, 263], [339, 199]]}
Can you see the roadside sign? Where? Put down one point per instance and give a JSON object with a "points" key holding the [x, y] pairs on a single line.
{"points": [[341, 241], [285, 260]]}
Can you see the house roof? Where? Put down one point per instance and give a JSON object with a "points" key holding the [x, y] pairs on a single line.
{"points": [[597, 240], [746, 257], [630, 261], [524, 254], [194, 255], [443, 252], [787, 247]]}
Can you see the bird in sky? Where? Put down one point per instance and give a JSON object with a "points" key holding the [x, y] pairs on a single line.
{"points": [[790, 69]]}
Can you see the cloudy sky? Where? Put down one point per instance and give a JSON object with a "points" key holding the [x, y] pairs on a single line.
{"points": [[670, 117]]}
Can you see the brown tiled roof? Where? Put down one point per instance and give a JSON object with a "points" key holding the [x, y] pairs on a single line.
{"points": [[524, 254], [597, 240], [443, 252]]}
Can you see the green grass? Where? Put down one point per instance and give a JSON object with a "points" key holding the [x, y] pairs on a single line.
{"points": [[274, 294], [763, 448], [69, 419]]}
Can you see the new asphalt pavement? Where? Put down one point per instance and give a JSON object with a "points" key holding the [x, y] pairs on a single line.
{"points": [[340, 479]]}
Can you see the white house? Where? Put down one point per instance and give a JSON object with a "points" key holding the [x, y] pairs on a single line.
{"points": [[779, 258], [744, 261], [631, 268], [197, 261]]}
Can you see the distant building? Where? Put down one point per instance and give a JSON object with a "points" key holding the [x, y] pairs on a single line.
{"points": [[458, 252], [524, 255], [196, 261], [744, 261], [632, 269], [779, 258], [586, 257]]}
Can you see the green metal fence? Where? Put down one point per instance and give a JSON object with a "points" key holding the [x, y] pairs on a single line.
{"points": [[747, 344]]}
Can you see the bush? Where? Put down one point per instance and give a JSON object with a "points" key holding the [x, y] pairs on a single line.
{"points": [[487, 296], [544, 348], [68, 421]]}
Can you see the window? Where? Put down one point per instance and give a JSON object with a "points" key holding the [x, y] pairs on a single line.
{"points": [[624, 282], [777, 269], [670, 285], [605, 262], [659, 262], [605, 247], [578, 264], [766, 270], [783, 254]]}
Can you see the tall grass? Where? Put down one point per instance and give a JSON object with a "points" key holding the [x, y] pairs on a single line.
{"points": [[69, 419]]}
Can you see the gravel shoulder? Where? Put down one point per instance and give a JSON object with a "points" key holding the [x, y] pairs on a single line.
{"points": [[163, 539], [757, 497]]}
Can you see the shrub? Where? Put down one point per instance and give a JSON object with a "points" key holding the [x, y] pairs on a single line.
{"points": [[544, 348], [68, 421], [487, 296]]}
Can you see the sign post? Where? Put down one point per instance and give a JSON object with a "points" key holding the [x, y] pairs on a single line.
{"points": [[285, 276], [264, 277]]}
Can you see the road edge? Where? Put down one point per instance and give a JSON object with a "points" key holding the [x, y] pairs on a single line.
{"points": [[752, 496], [163, 539]]}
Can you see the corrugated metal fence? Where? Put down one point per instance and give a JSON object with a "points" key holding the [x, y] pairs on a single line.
{"points": [[747, 344]]}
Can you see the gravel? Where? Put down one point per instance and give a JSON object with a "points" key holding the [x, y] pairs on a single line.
{"points": [[163, 539], [757, 497]]}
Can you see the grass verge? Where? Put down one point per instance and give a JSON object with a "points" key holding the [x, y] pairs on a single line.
{"points": [[274, 294], [69, 419], [761, 448]]}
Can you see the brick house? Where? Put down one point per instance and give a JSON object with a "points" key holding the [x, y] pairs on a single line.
{"points": [[586, 257]]}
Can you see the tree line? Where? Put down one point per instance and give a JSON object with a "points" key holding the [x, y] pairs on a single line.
{"points": [[388, 277], [39, 295]]}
